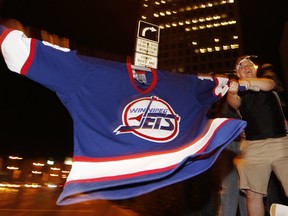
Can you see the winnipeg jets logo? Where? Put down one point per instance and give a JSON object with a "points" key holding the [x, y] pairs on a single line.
{"points": [[150, 118]]}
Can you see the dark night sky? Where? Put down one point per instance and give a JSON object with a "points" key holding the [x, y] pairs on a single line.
{"points": [[106, 25], [34, 122], [262, 23]]}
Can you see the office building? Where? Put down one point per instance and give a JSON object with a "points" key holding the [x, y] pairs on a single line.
{"points": [[196, 36]]}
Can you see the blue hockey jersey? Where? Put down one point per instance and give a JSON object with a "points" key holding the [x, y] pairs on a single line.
{"points": [[131, 135]]}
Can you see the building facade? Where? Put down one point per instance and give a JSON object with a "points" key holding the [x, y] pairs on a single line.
{"points": [[197, 36]]}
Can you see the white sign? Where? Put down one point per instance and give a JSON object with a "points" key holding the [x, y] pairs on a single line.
{"points": [[145, 60], [147, 47], [148, 31]]}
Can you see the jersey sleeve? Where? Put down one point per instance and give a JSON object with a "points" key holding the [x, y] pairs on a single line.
{"points": [[210, 89], [42, 62]]}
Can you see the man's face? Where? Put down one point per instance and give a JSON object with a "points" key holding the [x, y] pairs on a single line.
{"points": [[246, 69]]}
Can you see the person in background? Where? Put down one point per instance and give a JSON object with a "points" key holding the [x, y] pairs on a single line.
{"points": [[265, 148], [281, 93], [229, 201], [275, 193]]}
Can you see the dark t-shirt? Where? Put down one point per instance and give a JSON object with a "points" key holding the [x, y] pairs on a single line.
{"points": [[262, 112]]}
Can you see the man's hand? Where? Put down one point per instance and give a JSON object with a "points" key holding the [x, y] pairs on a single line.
{"points": [[245, 83], [233, 89], [2, 29], [233, 98], [253, 84]]}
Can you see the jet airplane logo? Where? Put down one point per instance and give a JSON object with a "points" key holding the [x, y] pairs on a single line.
{"points": [[150, 118]]}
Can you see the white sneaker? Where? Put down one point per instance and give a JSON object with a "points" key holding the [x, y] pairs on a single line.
{"points": [[278, 210]]}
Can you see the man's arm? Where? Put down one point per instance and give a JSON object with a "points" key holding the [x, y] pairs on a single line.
{"points": [[254, 84], [233, 98], [2, 29], [258, 84]]}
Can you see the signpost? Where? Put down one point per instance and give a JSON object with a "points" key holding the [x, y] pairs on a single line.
{"points": [[148, 36], [145, 60]]}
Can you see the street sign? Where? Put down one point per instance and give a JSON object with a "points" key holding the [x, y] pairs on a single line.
{"points": [[145, 60], [147, 47], [148, 31], [148, 36]]}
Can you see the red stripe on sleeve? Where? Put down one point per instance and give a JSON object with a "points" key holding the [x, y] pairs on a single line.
{"points": [[30, 58]]}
